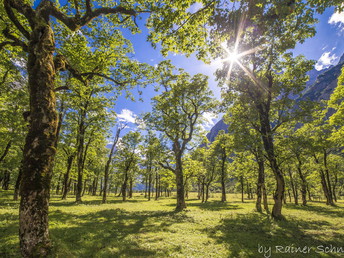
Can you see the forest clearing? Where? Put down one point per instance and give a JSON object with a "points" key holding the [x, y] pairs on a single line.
{"points": [[141, 228]]}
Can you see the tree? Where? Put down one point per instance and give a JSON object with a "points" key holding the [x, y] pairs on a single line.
{"points": [[127, 158], [265, 76], [31, 29], [176, 113], [151, 150], [107, 166], [223, 146]]}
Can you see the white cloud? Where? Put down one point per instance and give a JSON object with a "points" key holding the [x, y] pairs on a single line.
{"points": [[208, 120], [326, 60], [127, 115], [337, 18]]}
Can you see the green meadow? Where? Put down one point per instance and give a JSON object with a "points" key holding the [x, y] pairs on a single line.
{"points": [[141, 228]]}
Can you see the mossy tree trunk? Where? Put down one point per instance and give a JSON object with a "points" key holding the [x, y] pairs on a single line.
{"points": [[39, 150]]}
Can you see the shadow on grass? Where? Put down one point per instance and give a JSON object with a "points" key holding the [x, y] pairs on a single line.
{"points": [[244, 233], [69, 202], [215, 206], [110, 233], [332, 211], [210, 205]]}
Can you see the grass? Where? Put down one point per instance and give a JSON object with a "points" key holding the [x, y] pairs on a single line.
{"points": [[141, 228]]}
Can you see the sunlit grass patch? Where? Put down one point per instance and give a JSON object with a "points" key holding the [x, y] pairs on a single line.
{"points": [[141, 228]]}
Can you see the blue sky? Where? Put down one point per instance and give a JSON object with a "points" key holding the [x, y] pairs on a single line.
{"points": [[326, 47]]}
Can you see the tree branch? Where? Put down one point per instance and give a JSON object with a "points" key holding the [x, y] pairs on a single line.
{"points": [[15, 21], [7, 148], [22, 8], [75, 23], [15, 41], [167, 167]]}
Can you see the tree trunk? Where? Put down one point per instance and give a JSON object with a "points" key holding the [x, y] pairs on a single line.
{"points": [[107, 166], [40, 144], [84, 187], [207, 192], [265, 199], [146, 186], [267, 137], [203, 190], [181, 205], [124, 187], [156, 185], [131, 187], [6, 180], [260, 181], [17, 185], [149, 185], [58, 184], [303, 183], [242, 188], [324, 183], [334, 186], [95, 186], [223, 183], [5, 152], [309, 193], [329, 184], [293, 187], [199, 189]]}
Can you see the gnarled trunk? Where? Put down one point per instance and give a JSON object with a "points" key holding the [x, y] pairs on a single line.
{"points": [[39, 150], [266, 133]]}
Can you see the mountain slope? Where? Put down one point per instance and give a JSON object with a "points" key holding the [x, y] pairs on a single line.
{"points": [[319, 87]]}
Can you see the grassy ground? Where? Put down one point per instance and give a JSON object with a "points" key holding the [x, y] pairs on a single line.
{"points": [[141, 228]]}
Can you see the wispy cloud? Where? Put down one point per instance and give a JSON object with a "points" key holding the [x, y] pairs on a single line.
{"points": [[337, 18], [126, 115], [208, 120], [326, 60]]}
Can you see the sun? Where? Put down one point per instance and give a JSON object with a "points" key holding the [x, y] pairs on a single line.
{"points": [[232, 57]]}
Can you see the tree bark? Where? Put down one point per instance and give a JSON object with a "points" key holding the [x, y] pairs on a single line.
{"points": [[40, 144], [266, 133], [181, 205]]}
